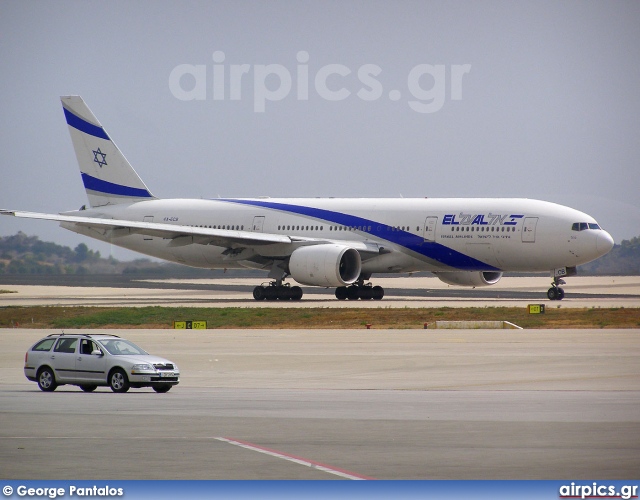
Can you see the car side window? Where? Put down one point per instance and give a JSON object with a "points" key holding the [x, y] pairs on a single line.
{"points": [[87, 346], [66, 345], [44, 345]]}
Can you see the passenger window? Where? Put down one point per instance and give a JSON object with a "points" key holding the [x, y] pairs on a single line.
{"points": [[44, 345], [87, 346], [66, 345]]}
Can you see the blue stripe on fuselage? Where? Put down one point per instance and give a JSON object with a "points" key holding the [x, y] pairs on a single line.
{"points": [[410, 241], [110, 188], [84, 126]]}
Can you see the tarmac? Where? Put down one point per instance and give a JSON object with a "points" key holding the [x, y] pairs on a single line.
{"points": [[581, 291], [338, 404]]}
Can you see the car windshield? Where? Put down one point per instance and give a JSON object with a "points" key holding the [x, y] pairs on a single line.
{"points": [[121, 347]]}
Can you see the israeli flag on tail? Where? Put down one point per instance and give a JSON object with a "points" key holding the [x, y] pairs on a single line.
{"points": [[108, 177]]}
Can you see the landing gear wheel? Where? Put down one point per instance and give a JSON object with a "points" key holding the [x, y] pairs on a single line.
{"points": [[555, 293], [363, 292], [296, 293], [271, 293], [366, 292], [283, 293], [353, 292], [341, 293]]}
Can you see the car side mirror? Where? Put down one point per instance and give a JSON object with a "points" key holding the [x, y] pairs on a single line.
{"points": [[97, 352]]}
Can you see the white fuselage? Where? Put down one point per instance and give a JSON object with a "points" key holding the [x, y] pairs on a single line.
{"points": [[408, 234]]}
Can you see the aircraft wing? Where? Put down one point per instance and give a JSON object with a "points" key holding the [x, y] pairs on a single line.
{"points": [[185, 235]]}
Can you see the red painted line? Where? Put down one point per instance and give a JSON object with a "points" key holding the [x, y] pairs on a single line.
{"points": [[292, 458]]}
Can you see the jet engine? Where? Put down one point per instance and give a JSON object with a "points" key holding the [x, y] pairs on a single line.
{"points": [[325, 265], [470, 278]]}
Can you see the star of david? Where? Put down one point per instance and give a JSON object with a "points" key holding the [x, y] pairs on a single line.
{"points": [[100, 161]]}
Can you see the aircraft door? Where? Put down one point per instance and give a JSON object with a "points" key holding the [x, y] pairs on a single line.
{"points": [[258, 224], [529, 229], [430, 228]]}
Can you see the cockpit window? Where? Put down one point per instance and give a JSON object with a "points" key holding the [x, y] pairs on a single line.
{"points": [[582, 226]]}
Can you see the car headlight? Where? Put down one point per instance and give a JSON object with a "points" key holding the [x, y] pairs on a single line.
{"points": [[144, 367]]}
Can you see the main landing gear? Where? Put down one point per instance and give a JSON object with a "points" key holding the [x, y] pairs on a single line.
{"points": [[360, 291], [275, 291], [555, 292]]}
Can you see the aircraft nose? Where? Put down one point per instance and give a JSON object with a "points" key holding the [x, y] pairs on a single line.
{"points": [[604, 242]]}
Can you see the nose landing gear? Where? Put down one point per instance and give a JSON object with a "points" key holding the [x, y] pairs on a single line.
{"points": [[555, 292]]}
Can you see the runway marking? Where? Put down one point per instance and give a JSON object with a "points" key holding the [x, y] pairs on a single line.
{"points": [[294, 459]]}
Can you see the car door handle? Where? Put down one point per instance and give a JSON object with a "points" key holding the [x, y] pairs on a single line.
{"points": [[79, 358]]}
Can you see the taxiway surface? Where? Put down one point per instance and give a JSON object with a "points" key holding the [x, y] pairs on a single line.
{"points": [[581, 291], [334, 404]]}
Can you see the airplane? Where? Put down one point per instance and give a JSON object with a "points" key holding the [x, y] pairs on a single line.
{"points": [[323, 242]]}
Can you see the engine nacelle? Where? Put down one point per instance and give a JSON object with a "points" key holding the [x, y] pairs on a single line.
{"points": [[325, 265], [470, 278]]}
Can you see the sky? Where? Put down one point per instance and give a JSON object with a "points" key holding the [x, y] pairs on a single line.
{"points": [[327, 98]]}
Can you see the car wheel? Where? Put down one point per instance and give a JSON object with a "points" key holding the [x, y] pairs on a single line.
{"points": [[88, 388], [47, 380], [161, 388], [118, 381]]}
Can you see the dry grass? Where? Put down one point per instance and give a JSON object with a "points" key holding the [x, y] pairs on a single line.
{"points": [[312, 318]]}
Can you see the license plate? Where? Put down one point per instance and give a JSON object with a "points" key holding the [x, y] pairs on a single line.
{"points": [[167, 374]]}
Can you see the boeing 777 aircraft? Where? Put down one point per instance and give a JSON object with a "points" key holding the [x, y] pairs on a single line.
{"points": [[326, 242]]}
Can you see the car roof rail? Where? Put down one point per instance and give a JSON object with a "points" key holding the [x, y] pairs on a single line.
{"points": [[89, 335]]}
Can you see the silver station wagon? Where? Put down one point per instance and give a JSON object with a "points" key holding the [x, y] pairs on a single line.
{"points": [[89, 361]]}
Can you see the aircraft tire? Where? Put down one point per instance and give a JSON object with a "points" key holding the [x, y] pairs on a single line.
{"points": [[296, 293], [378, 292], [258, 293], [366, 292], [552, 293], [341, 293], [353, 292], [271, 293], [560, 294]]}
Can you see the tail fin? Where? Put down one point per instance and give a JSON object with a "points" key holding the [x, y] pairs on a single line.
{"points": [[108, 177]]}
